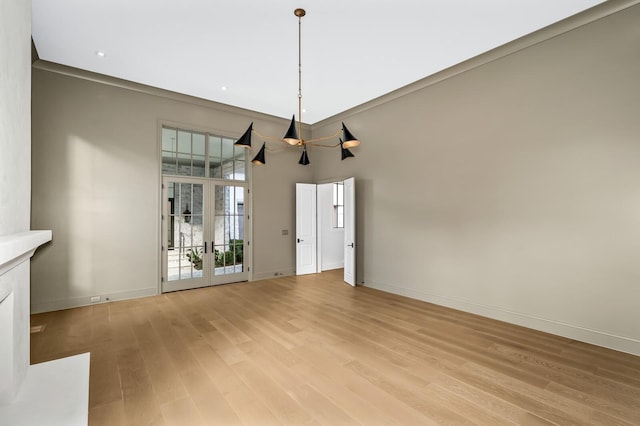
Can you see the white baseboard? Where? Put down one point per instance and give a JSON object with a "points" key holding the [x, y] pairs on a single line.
{"points": [[332, 266], [273, 274], [595, 337], [57, 305]]}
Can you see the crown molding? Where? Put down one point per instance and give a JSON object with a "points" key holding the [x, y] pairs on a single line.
{"points": [[564, 26], [154, 91]]}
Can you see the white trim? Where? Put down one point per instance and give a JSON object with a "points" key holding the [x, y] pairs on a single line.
{"points": [[596, 337], [159, 208], [60, 304], [161, 93], [273, 274], [332, 266], [571, 23], [18, 247]]}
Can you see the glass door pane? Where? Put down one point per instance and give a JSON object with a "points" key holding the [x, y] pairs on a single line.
{"points": [[228, 233], [203, 233], [184, 257]]}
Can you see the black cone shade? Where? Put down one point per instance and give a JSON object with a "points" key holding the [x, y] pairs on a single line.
{"points": [[291, 137], [245, 139], [349, 139], [259, 158], [304, 158], [345, 151]]}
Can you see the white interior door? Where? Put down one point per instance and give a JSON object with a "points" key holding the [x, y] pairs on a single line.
{"points": [[350, 231], [306, 249]]}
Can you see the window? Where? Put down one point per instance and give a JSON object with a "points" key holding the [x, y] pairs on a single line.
{"points": [[189, 153], [338, 205]]}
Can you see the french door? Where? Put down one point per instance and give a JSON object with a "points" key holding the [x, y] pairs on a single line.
{"points": [[204, 230]]}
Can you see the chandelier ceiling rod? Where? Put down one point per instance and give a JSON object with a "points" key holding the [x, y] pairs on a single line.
{"points": [[300, 13]]}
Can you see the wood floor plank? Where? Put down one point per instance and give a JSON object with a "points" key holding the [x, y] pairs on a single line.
{"points": [[140, 404], [105, 378], [281, 404], [181, 412], [320, 407], [390, 406], [312, 350], [235, 392], [162, 372], [410, 390], [207, 398], [108, 414], [549, 406]]}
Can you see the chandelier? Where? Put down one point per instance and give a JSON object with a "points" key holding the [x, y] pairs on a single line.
{"points": [[292, 136]]}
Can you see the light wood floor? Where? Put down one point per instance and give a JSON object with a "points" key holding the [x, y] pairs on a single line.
{"points": [[312, 350]]}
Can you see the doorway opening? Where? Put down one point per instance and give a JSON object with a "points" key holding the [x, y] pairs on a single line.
{"points": [[330, 218], [325, 228]]}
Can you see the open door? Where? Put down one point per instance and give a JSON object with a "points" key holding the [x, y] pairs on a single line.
{"points": [[306, 249], [350, 231]]}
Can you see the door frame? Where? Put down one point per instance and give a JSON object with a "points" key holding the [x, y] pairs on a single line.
{"points": [[319, 234], [209, 278]]}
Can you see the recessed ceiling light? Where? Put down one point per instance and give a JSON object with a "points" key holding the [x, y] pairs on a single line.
{"points": [[304, 110], [100, 53], [224, 88]]}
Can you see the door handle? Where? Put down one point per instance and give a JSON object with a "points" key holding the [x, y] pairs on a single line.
{"points": [[205, 247], [299, 240], [350, 245]]}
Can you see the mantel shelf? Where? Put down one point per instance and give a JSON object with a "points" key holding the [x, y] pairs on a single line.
{"points": [[16, 248]]}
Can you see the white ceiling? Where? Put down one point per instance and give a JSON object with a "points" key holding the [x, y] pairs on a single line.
{"points": [[352, 50]]}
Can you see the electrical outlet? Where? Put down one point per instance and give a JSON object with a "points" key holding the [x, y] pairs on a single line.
{"points": [[285, 232], [95, 299]]}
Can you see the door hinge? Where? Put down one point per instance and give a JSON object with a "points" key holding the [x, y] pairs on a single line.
{"points": [[161, 279], [248, 268], [162, 248], [248, 243]]}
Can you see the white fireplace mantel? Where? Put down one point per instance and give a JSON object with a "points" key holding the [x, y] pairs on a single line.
{"points": [[54, 392], [15, 251], [16, 248]]}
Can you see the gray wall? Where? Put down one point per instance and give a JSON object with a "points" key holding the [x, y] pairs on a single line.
{"points": [[510, 189], [96, 184]]}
